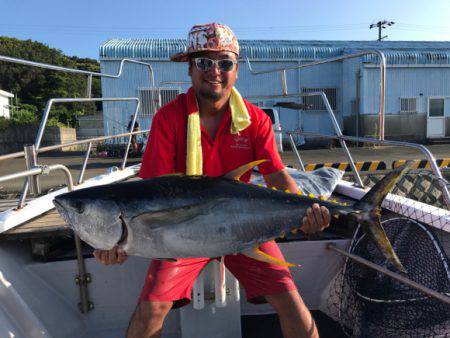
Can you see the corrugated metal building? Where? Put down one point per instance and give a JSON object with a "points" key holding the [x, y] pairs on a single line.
{"points": [[417, 102]]}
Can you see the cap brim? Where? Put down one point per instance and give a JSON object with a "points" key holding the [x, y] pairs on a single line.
{"points": [[180, 57]]}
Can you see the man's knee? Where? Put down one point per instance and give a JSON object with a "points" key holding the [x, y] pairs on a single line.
{"points": [[286, 301], [148, 311], [148, 319]]}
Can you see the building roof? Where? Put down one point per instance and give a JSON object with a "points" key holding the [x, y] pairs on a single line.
{"points": [[397, 52], [6, 94]]}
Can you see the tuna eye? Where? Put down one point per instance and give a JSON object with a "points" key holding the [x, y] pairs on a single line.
{"points": [[78, 206]]}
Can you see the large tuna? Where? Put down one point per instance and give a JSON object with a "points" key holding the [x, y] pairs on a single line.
{"points": [[177, 216]]}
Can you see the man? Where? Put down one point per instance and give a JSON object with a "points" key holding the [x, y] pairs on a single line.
{"points": [[136, 127], [211, 130]]}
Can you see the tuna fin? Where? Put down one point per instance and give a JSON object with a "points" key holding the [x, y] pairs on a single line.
{"points": [[175, 215], [238, 172], [375, 196], [376, 232], [368, 213], [264, 257]]}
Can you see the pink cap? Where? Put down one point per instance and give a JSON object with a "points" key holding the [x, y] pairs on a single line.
{"points": [[213, 37]]}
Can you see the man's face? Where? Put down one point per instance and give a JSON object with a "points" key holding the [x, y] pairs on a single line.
{"points": [[213, 84]]}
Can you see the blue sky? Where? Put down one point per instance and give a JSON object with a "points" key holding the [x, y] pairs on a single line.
{"points": [[78, 27]]}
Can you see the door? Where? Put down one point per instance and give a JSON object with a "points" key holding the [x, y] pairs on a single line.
{"points": [[435, 117]]}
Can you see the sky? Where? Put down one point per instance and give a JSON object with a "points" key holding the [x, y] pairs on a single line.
{"points": [[79, 27]]}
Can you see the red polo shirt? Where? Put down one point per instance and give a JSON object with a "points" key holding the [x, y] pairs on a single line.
{"points": [[167, 147]]}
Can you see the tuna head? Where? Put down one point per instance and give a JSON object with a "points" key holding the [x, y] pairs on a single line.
{"points": [[97, 221]]}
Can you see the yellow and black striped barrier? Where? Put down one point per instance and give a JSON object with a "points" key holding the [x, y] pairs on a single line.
{"points": [[423, 164], [345, 166]]}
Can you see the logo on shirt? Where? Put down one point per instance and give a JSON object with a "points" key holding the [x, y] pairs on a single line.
{"points": [[240, 142]]}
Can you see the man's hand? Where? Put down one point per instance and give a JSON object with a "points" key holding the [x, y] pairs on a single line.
{"points": [[317, 219], [114, 256]]}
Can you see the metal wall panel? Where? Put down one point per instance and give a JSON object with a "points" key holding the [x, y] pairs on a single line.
{"points": [[419, 82], [447, 107], [134, 76]]}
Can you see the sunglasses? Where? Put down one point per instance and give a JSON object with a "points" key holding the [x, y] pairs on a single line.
{"points": [[205, 64]]}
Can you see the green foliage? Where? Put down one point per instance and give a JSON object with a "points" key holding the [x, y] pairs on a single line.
{"points": [[35, 86], [4, 123], [26, 114]]}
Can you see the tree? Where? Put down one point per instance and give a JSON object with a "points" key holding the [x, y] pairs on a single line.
{"points": [[35, 86]]}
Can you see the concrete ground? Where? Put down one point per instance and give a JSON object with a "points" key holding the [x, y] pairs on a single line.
{"points": [[386, 154], [97, 166]]}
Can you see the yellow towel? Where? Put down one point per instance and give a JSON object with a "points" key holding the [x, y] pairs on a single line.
{"points": [[240, 120]]}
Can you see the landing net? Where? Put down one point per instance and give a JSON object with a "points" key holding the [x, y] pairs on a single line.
{"points": [[368, 303]]}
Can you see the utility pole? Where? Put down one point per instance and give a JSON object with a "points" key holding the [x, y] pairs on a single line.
{"points": [[381, 25]]}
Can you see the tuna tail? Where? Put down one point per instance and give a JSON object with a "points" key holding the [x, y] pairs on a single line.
{"points": [[368, 214]]}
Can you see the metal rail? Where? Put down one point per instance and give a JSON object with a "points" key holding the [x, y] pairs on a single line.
{"points": [[433, 165], [40, 170], [74, 143], [382, 65], [335, 123], [89, 74], [42, 126], [50, 103], [439, 296]]}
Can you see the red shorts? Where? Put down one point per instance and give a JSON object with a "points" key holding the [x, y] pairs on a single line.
{"points": [[173, 281]]}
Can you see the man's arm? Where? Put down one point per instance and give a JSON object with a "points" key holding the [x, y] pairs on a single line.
{"points": [[317, 218]]}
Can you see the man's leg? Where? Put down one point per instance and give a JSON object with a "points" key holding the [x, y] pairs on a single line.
{"points": [[165, 283], [148, 319], [295, 319], [274, 284]]}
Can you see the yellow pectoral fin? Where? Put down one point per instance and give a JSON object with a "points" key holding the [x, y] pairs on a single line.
{"points": [[263, 257], [237, 173]]}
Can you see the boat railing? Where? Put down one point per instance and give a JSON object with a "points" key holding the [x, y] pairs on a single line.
{"points": [[334, 122], [342, 138], [382, 65], [89, 74], [31, 153], [442, 182]]}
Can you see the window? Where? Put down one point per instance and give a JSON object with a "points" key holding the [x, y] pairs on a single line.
{"points": [[159, 97], [436, 107], [408, 105], [316, 102]]}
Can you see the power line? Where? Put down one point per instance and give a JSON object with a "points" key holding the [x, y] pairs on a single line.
{"points": [[173, 31]]}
